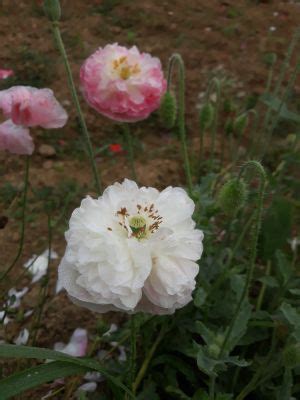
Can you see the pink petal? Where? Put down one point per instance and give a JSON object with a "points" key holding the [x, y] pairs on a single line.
{"points": [[77, 345], [31, 107], [6, 73], [15, 139]]}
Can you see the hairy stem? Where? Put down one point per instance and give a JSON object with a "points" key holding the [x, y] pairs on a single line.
{"points": [[61, 48], [253, 246], [130, 151], [176, 58], [23, 219]]}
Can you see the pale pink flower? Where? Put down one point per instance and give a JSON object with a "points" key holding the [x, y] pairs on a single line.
{"points": [[15, 138], [123, 84], [30, 107], [6, 73]]}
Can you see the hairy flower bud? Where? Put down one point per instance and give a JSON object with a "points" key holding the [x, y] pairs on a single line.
{"points": [[232, 196], [168, 110], [52, 10], [291, 356], [240, 124], [229, 127], [206, 116]]}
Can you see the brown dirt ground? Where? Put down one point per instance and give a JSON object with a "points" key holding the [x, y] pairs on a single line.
{"points": [[234, 34]]}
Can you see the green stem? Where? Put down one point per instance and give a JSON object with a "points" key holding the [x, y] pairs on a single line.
{"points": [[147, 360], [61, 48], [44, 288], [176, 58], [261, 295], [212, 383], [132, 360], [23, 219], [217, 85], [253, 246], [130, 151]]}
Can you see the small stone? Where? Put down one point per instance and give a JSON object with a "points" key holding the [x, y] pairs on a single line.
{"points": [[48, 164], [47, 150]]}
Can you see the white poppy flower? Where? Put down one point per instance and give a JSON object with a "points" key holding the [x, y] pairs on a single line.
{"points": [[132, 249], [38, 265]]}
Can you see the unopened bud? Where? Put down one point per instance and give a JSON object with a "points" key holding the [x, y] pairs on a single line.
{"points": [[240, 124], [168, 110], [52, 10], [291, 356], [232, 196], [228, 127], [206, 116]]}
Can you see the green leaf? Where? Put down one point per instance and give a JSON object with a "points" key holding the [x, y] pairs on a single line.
{"points": [[285, 390], [291, 314], [240, 325], [284, 267], [200, 297], [207, 335], [32, 377], [178, 394], [13, 351], [148, 392], [205, 363], [269, 281], [276, 104], [276, 227]]}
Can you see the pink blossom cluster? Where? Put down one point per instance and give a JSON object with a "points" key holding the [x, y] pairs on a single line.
{"points": [[27, 107]]}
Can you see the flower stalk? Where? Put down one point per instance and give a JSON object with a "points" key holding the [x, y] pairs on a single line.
{"points": [[176, 58], [130, 151], [23, 219], [253, 246], [62, 50]]}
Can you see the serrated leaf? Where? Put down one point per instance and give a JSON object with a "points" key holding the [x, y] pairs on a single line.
{"points": [[32, 377], [207, 335], [269, 281], [205, 363], [240, 325], [291, 314], [148, 392], [276, 105]]}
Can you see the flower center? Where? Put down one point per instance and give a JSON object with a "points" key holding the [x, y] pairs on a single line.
{"points": [[138, 225], [141, 224], [124, 69]]}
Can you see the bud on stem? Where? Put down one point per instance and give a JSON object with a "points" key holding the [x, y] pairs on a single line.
{"points": [[52, 10], [168, 110]]}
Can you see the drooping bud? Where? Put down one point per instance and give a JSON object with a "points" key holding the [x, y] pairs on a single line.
{"points": [[240, 124], [232, 196], [291, 356], [52, 10], [206, 116], [168, 110]]}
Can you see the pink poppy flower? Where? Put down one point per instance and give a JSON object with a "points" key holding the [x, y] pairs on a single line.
{"points": [[123, 84], [15, 139], [30, 107], [6, 73]]}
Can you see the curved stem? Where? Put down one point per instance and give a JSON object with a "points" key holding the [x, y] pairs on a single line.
{"points": [[132, 360], [130, 151], [147, 360], [176, 58], [61, 48], [23, 219], [257, 224]]}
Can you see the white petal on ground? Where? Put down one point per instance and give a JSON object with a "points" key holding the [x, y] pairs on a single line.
{"points": [[23, 337], [38, 265], [77, 345], [87, 387], [113, 328], [15, 296], [94, 377], [5, 319]]}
